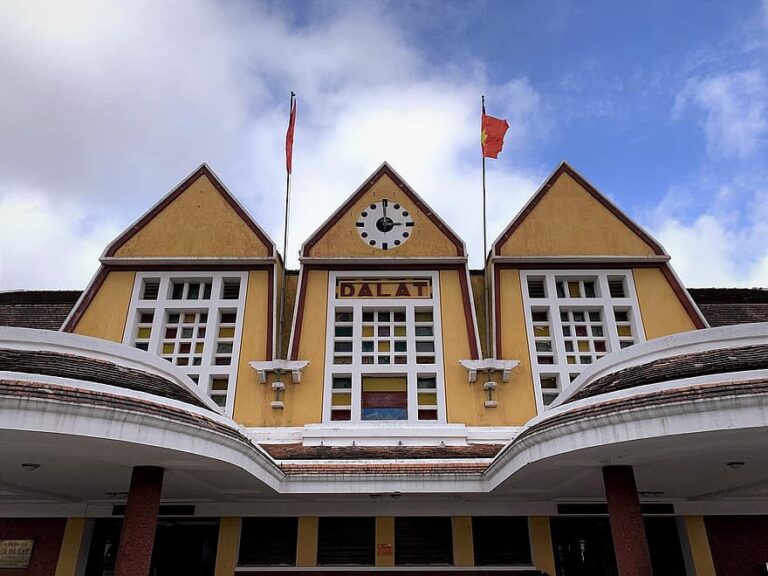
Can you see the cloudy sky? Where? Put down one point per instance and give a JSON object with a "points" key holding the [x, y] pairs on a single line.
{"points": [[105, 106]]}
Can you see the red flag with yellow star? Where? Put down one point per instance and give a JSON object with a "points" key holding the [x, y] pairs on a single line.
{"points": [[492, 135]]}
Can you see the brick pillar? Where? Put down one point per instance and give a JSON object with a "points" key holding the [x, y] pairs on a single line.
{"points": [[138, 535], [627, 529]]}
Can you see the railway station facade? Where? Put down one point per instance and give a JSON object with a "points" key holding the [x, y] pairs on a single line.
{"points": [[165, 421]]}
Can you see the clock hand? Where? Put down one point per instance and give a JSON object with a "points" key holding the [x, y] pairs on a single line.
{"points": [[384, 204]]}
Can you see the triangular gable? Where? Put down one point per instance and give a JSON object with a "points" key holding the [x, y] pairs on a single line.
{"points": [[568, 217], [198, 219], [339, 237]]}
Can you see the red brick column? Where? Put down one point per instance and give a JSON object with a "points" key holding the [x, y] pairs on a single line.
{"points": [[627, 529], [138, 535]]}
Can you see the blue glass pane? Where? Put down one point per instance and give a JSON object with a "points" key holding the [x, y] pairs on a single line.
{"points": [[385, 414]]}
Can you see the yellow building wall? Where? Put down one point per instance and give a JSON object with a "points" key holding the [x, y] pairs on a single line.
{"points": [[198, 223], [517, 403], [228, 547], [568, 220], [343, 239], [252, 398], [541, 544], [385, 541], [663, 313], [306, 542], [304, 402], [463, 546], [699, 546], [70, 547], [105, 317]]}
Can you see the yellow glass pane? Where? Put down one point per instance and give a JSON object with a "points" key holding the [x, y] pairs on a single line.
{"points": [[384, 346], [367, 331], [583, 346], [624, 330], [341, 399], [427, 399], [226, 332], [571, 359], [144, 333], [199, 348], [219, 384], [384, 384], [423, 316], [189, 318], [574, 290], [167, 348], [540, 331], [399, 330]]}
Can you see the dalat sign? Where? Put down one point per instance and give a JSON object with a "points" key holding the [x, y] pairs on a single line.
{"points": [[384, 288]]}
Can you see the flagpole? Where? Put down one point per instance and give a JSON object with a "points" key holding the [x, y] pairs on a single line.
{"points": [[486, 291], [285, 254]]}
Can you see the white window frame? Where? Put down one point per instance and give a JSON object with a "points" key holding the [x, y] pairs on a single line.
{"points": [[207, 370], [553, 303], [357, 368]]}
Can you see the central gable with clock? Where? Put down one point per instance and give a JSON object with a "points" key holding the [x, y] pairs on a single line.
{"points": [[384, 218]]}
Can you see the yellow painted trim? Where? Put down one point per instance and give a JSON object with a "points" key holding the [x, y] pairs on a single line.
{"points": [[70, 547], [306, 542], [699, 545], [228, 546], [385, 537], [541, 544], [463, 546], [107, 313]]}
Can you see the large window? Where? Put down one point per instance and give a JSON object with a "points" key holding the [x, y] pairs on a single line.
{"points": [[384, 359], [574, 318], [424, 540], [501, 541], [194, 321], [268, 542], [346, 541]]}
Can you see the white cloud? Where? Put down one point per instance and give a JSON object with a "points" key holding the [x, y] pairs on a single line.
{"points": [[48, 245], [724, 246], [107, 105], [735, 107]]}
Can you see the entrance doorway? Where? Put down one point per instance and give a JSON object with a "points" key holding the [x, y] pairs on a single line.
{"points": [[584, 546], [182, 546]]}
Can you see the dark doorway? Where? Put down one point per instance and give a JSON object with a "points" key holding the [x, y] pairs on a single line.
{"points": [[584, 546], [182, 546]]}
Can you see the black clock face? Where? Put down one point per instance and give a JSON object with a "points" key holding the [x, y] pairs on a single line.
{"points": [[385, 225]]}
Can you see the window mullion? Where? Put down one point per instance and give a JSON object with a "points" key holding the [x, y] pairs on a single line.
{"points": [[357, 364], [412, 366], [608, 315]]}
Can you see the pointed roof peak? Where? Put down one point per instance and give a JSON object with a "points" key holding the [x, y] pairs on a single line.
{"points": [[565, 168], [203, 169], [384, 169]]}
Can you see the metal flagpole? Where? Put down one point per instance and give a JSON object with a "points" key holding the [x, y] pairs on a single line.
{"points": [[486, 291], [285, 248]]}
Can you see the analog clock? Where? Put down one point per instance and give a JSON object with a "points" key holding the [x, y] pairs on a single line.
{"points": [[385, 224]]}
